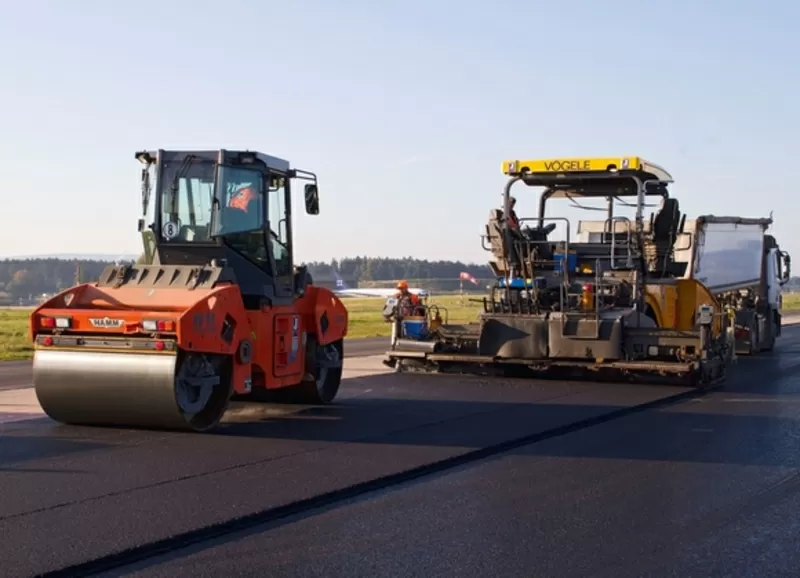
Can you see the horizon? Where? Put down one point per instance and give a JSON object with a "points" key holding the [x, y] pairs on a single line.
{"points": [[110, 257]]}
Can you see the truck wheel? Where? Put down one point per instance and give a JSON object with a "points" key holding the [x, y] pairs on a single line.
{"points": [[324, 364], [755, 338], [773, 330]]}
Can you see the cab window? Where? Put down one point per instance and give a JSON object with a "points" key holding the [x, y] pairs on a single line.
{"points": [[278, 225], [186, 192], [240, 194]]}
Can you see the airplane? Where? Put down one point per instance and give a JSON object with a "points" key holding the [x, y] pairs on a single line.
{"points": [[342, 290]]}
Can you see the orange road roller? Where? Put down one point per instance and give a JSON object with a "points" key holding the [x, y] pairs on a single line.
{"points": [[214, 310]]}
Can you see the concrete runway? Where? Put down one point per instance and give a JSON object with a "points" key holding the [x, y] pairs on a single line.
{"points": [[513, 478]]}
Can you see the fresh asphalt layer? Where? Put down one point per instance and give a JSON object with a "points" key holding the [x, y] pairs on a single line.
{"points": [[561, 497], [705, 487]]}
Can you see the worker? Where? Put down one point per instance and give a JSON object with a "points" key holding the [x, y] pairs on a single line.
{"points": [[404, 293], [513, 221], [521, 249], [242, 198], [408, 302], [242, 212]]}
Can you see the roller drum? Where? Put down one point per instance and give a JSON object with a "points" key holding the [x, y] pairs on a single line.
{"points": [[128, 390]]}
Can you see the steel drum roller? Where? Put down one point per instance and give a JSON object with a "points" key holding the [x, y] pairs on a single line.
{"points": [[127, 389]]}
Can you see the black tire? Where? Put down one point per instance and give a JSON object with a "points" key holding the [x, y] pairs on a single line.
{"points": [[755, 337], [773, 334], [325, 364]]}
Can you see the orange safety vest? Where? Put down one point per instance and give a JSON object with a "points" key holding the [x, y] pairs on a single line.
{"points": [[241, 199], [412, 297], [512, 220]]}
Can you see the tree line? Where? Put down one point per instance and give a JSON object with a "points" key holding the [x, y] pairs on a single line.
{"points": [[28, 279], [378, 271], [23, 281]]}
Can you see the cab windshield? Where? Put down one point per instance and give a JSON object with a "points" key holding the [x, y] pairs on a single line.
{"points": [[202, 201], [187, 189]]}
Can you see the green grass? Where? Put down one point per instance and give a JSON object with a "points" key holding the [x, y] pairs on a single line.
{"points": [[791, 301], [365, 320], [14, 343]]}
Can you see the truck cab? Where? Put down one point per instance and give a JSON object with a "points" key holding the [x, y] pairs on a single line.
{"points": [[777, 272]]}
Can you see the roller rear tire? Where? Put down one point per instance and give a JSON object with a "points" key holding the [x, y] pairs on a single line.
{"points": [[324, 364]]}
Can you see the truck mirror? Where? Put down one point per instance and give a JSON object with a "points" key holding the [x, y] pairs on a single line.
{"points": [[787, 267], [312, 199]]}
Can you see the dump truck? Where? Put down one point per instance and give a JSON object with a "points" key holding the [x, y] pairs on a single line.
{"points": [[216, 311], [615, 305], [740, 264], [744, 268]]}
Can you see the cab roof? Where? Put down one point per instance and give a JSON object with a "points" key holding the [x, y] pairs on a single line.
{"points": [[589, 176], [587, 167], [220, 155]]}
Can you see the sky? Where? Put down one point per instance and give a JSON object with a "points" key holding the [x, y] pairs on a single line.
{"points": [[405, 110]]}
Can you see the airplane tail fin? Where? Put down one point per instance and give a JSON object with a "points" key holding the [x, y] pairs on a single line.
{"points": [[340, 284]]}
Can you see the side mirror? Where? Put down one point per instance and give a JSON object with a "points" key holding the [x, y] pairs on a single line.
{"points": [[787, 267], [312, 199], [145, 192]]}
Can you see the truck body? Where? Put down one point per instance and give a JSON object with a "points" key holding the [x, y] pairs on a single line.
{"points": [[744, 268]]}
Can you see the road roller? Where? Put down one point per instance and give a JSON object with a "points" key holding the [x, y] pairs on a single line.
{"points": [[214, 310]]}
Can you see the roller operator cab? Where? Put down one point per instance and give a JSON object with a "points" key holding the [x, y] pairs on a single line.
{"points": [[216, 309], [610, 298]]}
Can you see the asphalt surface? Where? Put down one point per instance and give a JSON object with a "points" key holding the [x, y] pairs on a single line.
{"points": [[18, 374], [603, 491], [74, 494], [705, 487], [15, 374]]}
